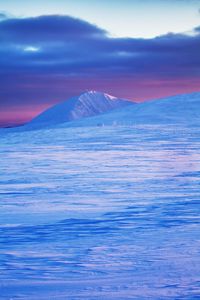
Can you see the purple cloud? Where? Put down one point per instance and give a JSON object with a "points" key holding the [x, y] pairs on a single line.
{"points": [[36, 52]]}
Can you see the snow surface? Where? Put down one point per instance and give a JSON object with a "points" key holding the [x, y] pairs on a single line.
{"points": [[172, 110], [88, 104], [108, 212]]}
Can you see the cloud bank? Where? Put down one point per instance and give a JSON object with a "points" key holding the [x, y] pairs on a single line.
{"points": [[46, 59]]}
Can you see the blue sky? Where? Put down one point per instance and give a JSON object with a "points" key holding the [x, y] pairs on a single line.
{"points": [[122, 18]]}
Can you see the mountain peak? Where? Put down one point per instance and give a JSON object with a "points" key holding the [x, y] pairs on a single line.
{"points": [[95, 93], [87, 104], [91, 92]]}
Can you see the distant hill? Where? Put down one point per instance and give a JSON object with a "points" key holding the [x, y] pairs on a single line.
{"points": [[88, 104], [172, 110]]}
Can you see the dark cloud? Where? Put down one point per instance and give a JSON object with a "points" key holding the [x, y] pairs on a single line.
{"points": [[197, 29], [61, 46], [46, 29], [3, 15], [68, 45]]}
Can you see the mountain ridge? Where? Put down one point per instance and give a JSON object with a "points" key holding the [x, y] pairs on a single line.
{"points": [[87, 104], [182, 108]]}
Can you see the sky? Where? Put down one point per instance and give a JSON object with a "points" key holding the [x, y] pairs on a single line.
{"points": [[134, 49]]}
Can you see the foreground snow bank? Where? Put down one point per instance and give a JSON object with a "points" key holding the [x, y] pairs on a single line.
{"points": [[100, 213]]}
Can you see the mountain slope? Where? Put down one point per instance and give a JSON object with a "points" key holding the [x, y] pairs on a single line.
{"points": [[86, 105], [175, 109]]}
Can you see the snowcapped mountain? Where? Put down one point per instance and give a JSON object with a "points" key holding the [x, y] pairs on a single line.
{"points": [[88, 104], [175, 109], [98, 109]]}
